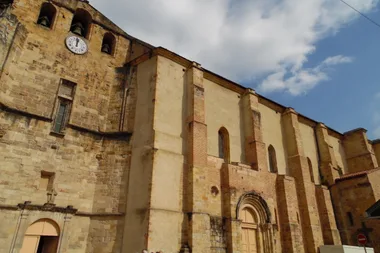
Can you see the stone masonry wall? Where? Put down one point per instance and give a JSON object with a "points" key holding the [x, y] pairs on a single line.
{"points": [[46, 60], [352, 196], [90, 173]]}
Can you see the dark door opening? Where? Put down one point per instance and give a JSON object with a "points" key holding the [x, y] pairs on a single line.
{"points": [[48, 244]]}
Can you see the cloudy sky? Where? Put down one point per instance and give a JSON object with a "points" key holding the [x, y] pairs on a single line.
{"points": [[318, 56]]}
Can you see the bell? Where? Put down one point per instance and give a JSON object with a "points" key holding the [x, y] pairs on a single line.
{"points": [[106, 48], [44, 21], [77, 28]]}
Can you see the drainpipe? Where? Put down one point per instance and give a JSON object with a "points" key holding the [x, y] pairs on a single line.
{"points": [[18, 224]]}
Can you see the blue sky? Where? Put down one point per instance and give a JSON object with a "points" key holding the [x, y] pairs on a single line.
{"points": [[317, 56], [349, 99]]}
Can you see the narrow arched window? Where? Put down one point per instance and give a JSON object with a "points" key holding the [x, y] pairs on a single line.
{"points": [[47, 15], [272, 159], [310, 169], [224, 144], [109, 43], [81, 23]]}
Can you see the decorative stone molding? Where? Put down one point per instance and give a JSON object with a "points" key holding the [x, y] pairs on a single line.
{"points": [[254, 199]]}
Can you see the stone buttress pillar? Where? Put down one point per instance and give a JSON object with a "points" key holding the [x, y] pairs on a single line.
{"points": [[326, 213], [255, 151], [328, 165], [298, 166], [359, 153], [198, 219], [287, 203]]}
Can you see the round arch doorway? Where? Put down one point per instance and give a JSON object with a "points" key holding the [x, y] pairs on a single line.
{"points": [[41, 237], [249, 232]]}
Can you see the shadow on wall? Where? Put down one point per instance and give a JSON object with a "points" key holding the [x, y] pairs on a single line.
{"points": [[110, 196]]}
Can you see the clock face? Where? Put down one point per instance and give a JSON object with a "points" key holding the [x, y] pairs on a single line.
{"points": [[76, 44]]}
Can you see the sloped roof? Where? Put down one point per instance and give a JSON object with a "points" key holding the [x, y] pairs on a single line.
{"points": [[355, 175]]}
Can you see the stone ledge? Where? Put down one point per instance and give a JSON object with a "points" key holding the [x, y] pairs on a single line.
{"points": [[53, 208]]}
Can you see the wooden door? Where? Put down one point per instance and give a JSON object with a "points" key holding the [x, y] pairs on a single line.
{"points": [[245, 243], [249, 240], [30, 244], [252, 240]]}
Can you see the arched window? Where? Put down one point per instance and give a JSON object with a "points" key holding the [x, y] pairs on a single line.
{"points": [[108, 44], [81, 23], [42, 236], [47, 15], [224, 144], [310, 169], [272, 159]]}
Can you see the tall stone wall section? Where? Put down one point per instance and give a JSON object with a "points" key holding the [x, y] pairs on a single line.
{"points": [[360, 154], [90, 162], [90, 173]]}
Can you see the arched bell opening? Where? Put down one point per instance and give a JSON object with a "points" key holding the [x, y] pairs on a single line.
{"points": [[47, 15], [108, 44], [81, 23], [42, 237]]}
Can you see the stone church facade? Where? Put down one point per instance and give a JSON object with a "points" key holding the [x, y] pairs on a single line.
{"points": [[108, 144]]}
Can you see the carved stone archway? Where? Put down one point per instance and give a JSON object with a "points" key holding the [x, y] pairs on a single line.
{"points": [[256, 228]]}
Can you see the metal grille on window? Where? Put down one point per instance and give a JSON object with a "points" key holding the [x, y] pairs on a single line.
{"points": [[64, 102]]}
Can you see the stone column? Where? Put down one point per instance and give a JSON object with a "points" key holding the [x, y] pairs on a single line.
{"points": [[199, 220], [359, 153], [328, 165], [255, 151], [298, 165]]}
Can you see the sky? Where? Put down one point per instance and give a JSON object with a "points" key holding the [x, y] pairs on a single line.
{"points": [[317, 56]]}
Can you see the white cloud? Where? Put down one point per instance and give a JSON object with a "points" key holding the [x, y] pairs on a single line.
{"points": [[336, 60], [242, 40], [301, 80]]}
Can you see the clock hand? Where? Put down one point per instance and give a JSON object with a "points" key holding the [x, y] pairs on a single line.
{"points": [[77, 42]]}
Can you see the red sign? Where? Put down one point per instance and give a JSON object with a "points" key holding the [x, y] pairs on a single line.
{"points": [[362, 239]]}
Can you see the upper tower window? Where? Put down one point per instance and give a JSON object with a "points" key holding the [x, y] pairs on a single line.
{"points": [[81, 23], [47, 15], [108, 44]]}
